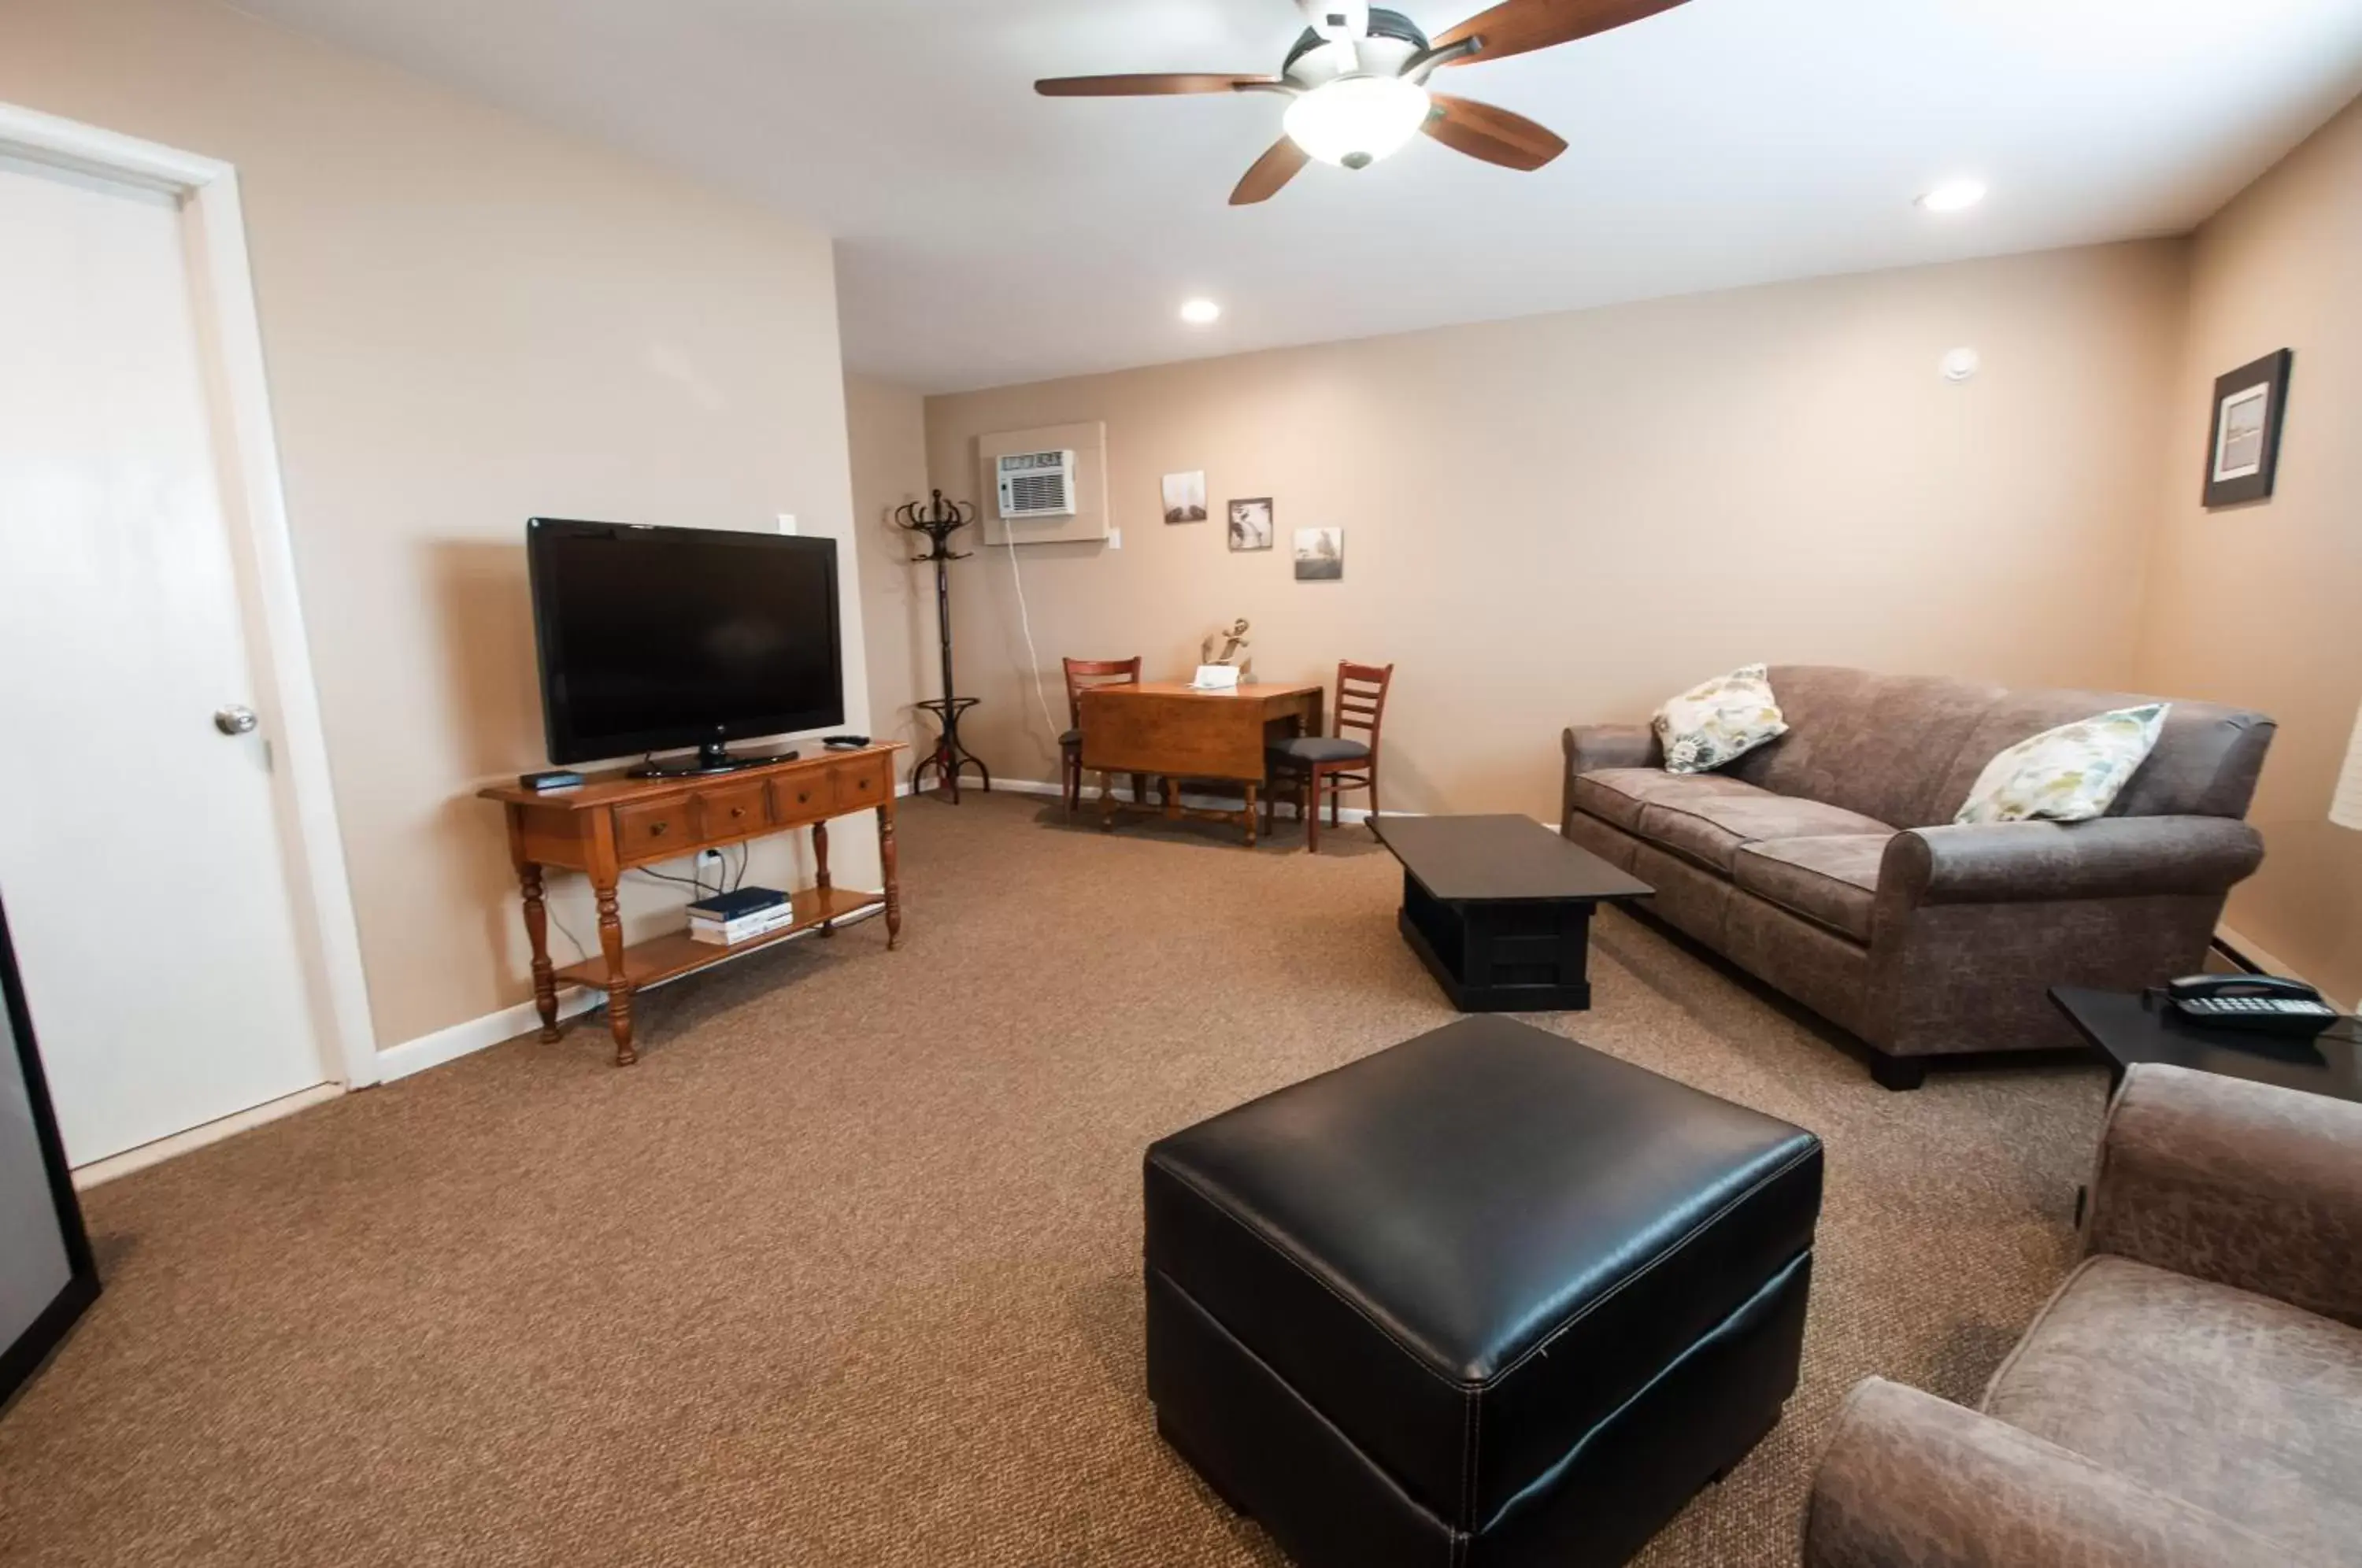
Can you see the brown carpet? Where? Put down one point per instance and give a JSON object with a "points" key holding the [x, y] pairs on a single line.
{"points": [[846, 1270]]}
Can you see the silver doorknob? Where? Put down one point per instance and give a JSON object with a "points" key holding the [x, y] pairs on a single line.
{"points": [[235, 720]]}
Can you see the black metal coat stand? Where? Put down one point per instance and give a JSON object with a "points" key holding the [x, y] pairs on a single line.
{"points": [[939, 520]]}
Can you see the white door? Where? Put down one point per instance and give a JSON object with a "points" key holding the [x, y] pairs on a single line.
{"points": [[139, 845]]}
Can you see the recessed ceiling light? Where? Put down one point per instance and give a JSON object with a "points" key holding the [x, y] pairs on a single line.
{"points": [[1954, 195], [1200, 313]]}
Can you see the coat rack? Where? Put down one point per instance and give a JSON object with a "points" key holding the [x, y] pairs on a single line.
{"points": [[939, 520]]}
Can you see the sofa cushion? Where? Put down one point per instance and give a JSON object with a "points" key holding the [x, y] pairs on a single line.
{"points": [[1880, 745], [1832, 879], [2205, 762], [2232, 1401], [1616, 794], [1711, 828]]}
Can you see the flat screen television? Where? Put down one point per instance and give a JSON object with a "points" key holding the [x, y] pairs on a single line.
{"points": [[654, 639]]}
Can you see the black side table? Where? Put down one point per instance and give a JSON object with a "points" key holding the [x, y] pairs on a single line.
{"points": [[2129, 1027]]}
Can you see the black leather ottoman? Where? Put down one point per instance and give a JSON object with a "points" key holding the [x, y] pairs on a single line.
{"points": [[1486, 1298]]}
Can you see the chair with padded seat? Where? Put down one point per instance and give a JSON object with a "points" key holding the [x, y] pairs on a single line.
{"points": [[1081, 675], [1337, 762]]}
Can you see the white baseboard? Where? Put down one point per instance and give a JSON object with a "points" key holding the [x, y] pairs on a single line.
{"points": [[162, 1148], [1090, 798], [479, 1033], [476, 1035]]}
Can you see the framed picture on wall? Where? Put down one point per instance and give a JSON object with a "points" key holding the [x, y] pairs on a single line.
{"points": [[1319, 555], [2243, 450], [1251, 524], [1185, 497]]}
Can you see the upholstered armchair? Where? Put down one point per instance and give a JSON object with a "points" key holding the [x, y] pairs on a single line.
{"points": [[2192, 1395]]}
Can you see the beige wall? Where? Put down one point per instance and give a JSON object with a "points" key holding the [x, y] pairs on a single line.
{"points": [[467, 321], [2257, 603], [1568, 517], [886, 429]]}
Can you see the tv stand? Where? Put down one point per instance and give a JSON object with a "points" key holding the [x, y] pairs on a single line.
{"points": [[711, 757], [614, 822]]}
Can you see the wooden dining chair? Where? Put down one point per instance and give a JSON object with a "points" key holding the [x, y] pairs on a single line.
{"points": [[1082, 674], [1337, 762]]}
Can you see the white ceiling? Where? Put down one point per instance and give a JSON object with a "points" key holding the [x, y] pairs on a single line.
{"points": [[989, 235]]}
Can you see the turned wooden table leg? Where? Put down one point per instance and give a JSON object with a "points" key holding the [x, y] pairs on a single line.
{"points": [[619, 988], [1250, 815], [890, 858], [820, 873], [536, 932], [1107, 800]]}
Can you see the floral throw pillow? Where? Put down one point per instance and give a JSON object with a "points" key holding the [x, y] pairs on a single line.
{"points": [[2071, 774], [1725, 718]]}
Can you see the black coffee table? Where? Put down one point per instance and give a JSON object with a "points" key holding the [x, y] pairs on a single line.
{"points": [[2129, 1027], [1499, 909]]}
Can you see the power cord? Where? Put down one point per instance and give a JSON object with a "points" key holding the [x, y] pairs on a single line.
{"points": [[1033, 654]]}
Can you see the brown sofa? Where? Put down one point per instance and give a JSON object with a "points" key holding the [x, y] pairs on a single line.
{"points": [[1826, 862], [2192, 1395]]}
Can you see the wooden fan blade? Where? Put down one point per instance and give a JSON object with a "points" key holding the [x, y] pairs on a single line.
{"points": [[1150, 85], [1272, 170], [1496, 136], [1515, 27]]}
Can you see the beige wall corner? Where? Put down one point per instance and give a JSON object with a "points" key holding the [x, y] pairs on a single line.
{"points": [[468, 320], [1567, 517], [886, 433], [2256, 604]]}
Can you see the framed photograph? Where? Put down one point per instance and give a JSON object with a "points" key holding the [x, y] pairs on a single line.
{"points": [[1251, 524], [1185, 497], [2243, 451], [1319, 555]]}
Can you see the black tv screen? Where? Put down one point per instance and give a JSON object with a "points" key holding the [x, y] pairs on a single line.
{"points": [[656, 638]]}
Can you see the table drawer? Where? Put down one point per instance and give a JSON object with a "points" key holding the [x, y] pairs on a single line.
{"points": [[863, 783], [733, 811], [653, 830], [800, 797]]}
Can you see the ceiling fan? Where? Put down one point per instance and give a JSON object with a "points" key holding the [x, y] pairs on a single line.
{"points": [[1357, 84]]}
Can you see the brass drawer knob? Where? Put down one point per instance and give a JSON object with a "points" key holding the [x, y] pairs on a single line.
{"points": [[656, 829], [738, 810]]}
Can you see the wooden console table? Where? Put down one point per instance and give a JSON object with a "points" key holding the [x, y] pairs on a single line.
{"points": [[613, 822], [1172, 731]]}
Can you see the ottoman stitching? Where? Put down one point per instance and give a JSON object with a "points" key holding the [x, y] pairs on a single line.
{"points": [[1542, 1345], [1472, 1386], [1298, 1265]]}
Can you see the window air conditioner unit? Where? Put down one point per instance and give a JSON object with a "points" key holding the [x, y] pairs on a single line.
{"points": [[1036, 484]]}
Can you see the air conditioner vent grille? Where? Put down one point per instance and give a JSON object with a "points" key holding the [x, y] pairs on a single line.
{"points": [[1036, 484]]}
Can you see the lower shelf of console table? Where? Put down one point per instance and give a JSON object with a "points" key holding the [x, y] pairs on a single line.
{"points": [[668, 957], [612, 824]]}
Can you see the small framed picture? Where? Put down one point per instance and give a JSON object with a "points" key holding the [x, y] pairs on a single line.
{"points": [[2243, 452], [1251, 524], [1185, 497], [1319, 555]]}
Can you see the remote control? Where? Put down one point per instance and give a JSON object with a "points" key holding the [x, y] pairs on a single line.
{"points": [[846, 743], [556, 778]]}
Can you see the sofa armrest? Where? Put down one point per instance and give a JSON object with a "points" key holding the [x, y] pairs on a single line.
{"points": [[1910, 1478], [2108, 857], [1611, 746], [1602, 745], [2245, 1183]]}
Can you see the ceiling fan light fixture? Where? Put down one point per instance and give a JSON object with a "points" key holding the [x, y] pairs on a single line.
{"points": [[1200, 311], [1353, 121]]}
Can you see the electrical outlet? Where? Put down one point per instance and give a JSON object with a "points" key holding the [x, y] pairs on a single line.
{"points": [[709, 860], [1115, 538], [787, 522]]}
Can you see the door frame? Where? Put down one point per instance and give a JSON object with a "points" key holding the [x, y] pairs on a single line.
{"points": [[254, 507]]}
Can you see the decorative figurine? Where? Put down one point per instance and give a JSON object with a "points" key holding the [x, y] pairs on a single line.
{"points": [[1233, 653]]}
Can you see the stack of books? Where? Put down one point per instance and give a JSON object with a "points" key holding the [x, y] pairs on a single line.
{"points": [[739, 916]]}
